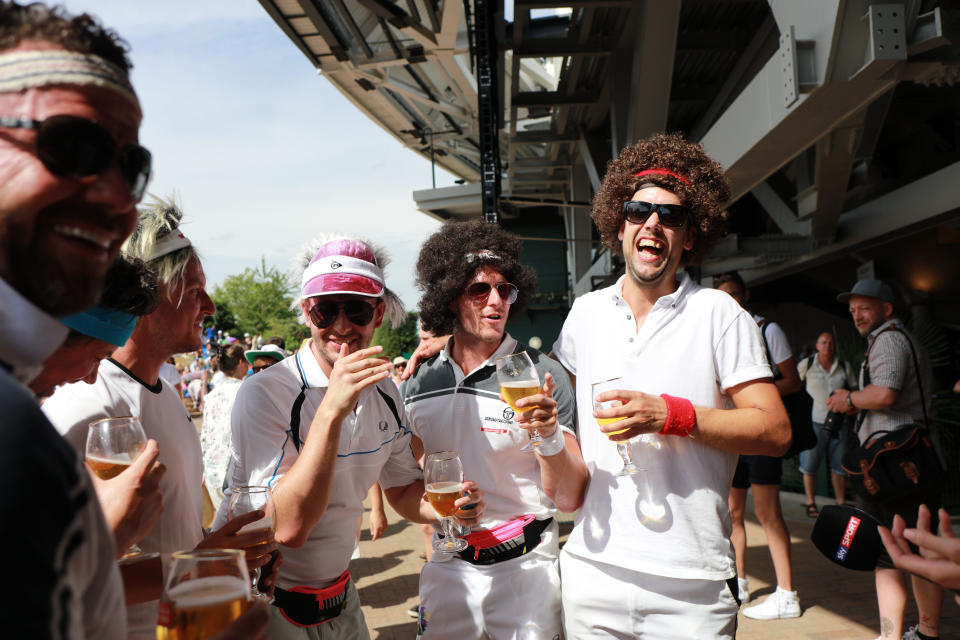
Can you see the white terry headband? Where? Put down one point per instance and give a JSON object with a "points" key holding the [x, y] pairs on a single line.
{"points": [[24, 70], [171, 242], [342, 264]]}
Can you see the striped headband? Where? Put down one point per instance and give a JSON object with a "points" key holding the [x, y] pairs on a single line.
{"points": [[24, 70], [663, 172], [171, 242]]}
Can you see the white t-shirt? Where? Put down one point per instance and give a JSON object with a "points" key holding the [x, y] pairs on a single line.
{"points": [[372, 448], [169, 373], [451, 411], [217, 378], [776, 341], [117, 393], [695, 343]]}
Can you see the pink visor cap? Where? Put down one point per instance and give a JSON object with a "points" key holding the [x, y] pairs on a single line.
{"points": [[343, 266]]}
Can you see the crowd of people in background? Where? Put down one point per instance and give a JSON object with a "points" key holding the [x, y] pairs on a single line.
{"points": [[101, 311]]}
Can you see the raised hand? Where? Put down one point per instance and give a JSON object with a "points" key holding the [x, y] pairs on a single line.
{"points": [[539, 411], [258, 544], [641, 413], [352, 373]]}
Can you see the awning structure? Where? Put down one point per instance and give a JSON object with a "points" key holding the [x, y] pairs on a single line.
{"points": [[836, 120]]}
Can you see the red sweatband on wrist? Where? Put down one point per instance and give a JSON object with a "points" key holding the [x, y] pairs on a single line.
{"points": [[680, 416]]}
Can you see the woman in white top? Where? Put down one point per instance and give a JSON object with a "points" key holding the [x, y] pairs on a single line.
{"points": [[215, 433]]}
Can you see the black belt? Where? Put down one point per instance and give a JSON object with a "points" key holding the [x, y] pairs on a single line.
{"points": [[308, 607]]}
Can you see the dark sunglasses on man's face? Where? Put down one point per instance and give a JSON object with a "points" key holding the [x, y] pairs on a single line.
{"points": [[480, 291], [325, 313], [670, 215], [73, 147]]}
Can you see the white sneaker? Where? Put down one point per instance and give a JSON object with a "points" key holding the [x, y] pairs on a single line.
{"points": [[744, 587], [779, 604], [911, 633]]}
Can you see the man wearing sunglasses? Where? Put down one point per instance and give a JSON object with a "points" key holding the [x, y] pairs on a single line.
{"points": [[695, 380], [473, 282], [320, 428]]}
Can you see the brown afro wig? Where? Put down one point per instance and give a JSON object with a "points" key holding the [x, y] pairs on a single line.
{"points": [[449, 259], [705, 196]]}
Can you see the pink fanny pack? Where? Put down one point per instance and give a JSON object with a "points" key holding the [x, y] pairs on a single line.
{"points": [[504, 542]]}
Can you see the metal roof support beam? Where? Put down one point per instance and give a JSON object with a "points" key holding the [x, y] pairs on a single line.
{"points": [[545, 136], [593, 158], [415, 94], [577, 223], [779, 211], [773, 120], [551, 98], [918, 205], [651, 70], [836, 152]]}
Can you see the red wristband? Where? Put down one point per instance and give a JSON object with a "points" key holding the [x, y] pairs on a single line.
{"points": [[680, 416]]}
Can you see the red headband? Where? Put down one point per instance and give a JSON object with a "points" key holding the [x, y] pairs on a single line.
{"points": [[663, 172]]}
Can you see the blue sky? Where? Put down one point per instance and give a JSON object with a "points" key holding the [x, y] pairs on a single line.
{"points": [[262, 152]]}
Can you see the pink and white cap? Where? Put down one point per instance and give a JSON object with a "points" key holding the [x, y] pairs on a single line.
{"points": [[343, 266]]}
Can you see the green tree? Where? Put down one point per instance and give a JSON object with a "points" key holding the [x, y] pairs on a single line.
{"points": [[223, 319], [259, 300], [402, 340]]}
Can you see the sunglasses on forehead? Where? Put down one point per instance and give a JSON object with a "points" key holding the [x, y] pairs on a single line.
{"points": [[481, 291], [73, 147], [670, 215], [325, 313]]}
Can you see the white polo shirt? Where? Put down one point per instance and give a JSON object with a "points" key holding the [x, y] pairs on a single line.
{"points": [[696, 343], [820, 382], [373, 447], [451, 410]]}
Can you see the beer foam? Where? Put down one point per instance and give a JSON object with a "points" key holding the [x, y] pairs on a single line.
{"points": [[117, 458], [521, 384], [203, 592], [444, 487], [263, 523]]}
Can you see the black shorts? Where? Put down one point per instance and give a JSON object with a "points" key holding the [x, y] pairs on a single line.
{"points": [[757, 470]]}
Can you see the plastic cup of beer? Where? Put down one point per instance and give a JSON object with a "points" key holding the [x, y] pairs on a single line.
{"points": [[113, 444], [206, 590], [443, 482], [518, 379], [244, 500]]}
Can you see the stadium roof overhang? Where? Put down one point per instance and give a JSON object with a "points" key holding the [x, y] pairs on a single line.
{"points": [[836, 121]]}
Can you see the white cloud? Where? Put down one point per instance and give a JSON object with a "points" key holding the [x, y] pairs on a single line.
{"points": [[263, 152]]}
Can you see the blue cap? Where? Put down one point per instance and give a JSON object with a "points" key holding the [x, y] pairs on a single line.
{"points": [[110, 325], [869, 288]]}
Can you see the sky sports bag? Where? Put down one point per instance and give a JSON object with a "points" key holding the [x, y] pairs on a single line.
{"points": [[799, 406], [894, 465]]}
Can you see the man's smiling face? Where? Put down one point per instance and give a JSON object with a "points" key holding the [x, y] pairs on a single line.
{"points": [[652, 251]]}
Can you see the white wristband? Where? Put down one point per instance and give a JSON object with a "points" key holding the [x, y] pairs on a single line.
{"points": [[552, 445]]}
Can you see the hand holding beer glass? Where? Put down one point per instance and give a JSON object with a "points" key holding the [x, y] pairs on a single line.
{"points": [[518, 379], [251, 498], [623, 446], [206, 590], [443, 480], [112, 446]]}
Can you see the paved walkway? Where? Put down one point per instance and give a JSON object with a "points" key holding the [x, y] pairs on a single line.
{"points": [[837, 604]]}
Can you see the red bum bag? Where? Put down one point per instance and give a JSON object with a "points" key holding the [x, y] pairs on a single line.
{"points": [[504, 542], [308, 607]]}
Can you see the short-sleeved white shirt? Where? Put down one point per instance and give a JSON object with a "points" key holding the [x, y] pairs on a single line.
{"points": [[118, 393], [820, 382], [372, 448], [695, 343], [453, 410], [776, 341]]}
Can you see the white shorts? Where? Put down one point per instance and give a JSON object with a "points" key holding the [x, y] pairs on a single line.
{"points": [[607, 601], [514, 600]]}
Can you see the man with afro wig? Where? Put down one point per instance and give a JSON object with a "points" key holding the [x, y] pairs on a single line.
{"points": [[505, 584], [650, 554]]}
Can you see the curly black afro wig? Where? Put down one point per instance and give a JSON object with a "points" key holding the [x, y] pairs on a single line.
{"points": [[449, 259], [705, 195]]}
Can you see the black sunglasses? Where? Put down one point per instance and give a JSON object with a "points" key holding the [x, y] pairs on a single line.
{"points": [[258, 369], [323, 314], [481, 291], [671, 215], [74, 147]]}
